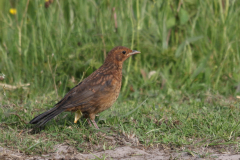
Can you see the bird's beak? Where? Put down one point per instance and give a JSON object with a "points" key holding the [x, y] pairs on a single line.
{"points": [[134, 52]]}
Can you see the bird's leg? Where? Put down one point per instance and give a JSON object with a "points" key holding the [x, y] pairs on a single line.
{"points": [[78, 115], [92, 118], [89, 122], [95, 124]]}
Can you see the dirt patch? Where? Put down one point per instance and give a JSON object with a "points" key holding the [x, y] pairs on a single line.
{"points": [[123, 146], [125, 153]]}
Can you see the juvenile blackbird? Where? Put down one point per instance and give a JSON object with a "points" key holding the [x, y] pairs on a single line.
{"points": [[94, 94]]}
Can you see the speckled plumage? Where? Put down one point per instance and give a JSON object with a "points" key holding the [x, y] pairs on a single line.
{"points": [[94, 94]]}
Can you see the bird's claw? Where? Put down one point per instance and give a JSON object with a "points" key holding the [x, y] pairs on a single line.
{"points": [[78, 115]]}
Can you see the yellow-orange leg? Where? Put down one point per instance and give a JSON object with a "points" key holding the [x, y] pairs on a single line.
{"points": [[78, 115]]}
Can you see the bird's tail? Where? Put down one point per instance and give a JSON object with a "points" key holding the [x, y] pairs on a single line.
{"points": [[43, 118]]}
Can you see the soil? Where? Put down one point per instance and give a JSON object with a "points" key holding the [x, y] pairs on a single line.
{"points": [[128, 147], [125, 153]]}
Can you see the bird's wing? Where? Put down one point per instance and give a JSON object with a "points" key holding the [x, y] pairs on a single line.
{"points": [[69, 93], [84, 92]]}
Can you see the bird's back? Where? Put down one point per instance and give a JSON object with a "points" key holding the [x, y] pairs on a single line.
{"points": [[96, 93]]}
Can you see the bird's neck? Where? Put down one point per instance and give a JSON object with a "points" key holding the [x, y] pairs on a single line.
{"points": [[113, 66], [113, 69]]}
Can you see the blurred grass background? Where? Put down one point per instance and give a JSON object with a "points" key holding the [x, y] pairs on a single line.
{"points": [[190, 46]]}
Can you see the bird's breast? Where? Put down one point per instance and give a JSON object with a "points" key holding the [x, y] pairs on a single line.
{"points": [[110, 95]]}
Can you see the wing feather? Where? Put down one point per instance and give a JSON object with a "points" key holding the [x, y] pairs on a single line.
{"points": [[85, 92]]}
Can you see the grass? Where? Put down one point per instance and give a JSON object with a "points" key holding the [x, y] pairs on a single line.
{"points": [[198, 122], [191, 46]]}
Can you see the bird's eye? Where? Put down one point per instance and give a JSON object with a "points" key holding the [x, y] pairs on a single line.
{"points": [[123, 52]]}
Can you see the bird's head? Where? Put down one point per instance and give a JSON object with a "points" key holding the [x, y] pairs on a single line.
{"points": [[119, 54]]}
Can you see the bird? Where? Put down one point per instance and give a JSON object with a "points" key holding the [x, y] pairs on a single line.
{"points": [[95, 93]]}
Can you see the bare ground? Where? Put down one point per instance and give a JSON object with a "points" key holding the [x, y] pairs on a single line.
{"points": [[127, 147], [124, 152]]}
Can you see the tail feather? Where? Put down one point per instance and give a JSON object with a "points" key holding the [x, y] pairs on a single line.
{"points": [[48, 118], [43, 118]]}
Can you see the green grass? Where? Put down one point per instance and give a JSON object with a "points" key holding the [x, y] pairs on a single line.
{"points": [[193, 46], [196, 122]]}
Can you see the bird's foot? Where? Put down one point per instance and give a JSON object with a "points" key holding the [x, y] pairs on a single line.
{"points": [[89, 122], [91, 118], [78, 115], [95, 124]]}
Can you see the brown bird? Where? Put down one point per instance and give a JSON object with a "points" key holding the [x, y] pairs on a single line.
{"points": [[94, 94]]}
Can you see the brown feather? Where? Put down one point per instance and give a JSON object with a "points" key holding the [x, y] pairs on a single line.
{"points": [[98, 91]]}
